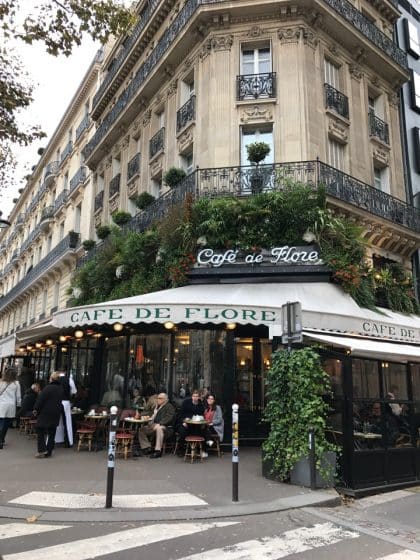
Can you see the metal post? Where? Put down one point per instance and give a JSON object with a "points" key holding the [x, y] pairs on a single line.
{"points": [[111, 456], [312, 460], [289, 326], [235, 451]]}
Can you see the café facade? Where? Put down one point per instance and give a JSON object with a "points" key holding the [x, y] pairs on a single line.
{"points": [[219, 331]]}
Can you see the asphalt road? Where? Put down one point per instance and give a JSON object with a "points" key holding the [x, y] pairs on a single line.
{"points": [[377, 528]]}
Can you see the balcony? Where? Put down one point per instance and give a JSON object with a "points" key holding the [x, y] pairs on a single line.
{"points": [[60, 200], [67, 244], [99, 201], [185, 114], [47, 216], [378, 128], [133, 167], [84, 125], [66, 152], [78, 178], [15, 255], [157, 143], [256, 86], [336, 101], [114, 185], [50, 172]]}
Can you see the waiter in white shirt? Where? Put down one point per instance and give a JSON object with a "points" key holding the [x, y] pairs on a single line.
{"points": [[64, 432]]}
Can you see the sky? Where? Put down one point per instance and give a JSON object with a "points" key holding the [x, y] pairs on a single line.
{"points": [[55, 80]]}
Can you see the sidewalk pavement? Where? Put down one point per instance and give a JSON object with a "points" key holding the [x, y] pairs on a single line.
{"points": [[85, 473]]}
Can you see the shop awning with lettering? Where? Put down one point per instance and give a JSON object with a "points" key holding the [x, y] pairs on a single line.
{"points": [[370, 348], [325, 308]]}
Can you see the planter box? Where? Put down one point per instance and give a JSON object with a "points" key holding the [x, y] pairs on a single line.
{"points": [[301, 473]]}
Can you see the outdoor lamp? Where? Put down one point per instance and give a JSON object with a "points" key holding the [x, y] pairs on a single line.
{"points": [[231, 326], [62, 338], [49, 341], [78, 334], [168, 325], [38, 345], [29, 347], [118, 327]]}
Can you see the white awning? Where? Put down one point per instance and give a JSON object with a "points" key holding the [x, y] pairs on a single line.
{"points": [[7, 346], [36, 332], [325, 308], [370, 348]]}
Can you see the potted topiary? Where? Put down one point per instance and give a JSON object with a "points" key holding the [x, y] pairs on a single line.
{"points": [[88, 244], [257, 152], [144, 199], [173, 176], [120, 217], [103, 231], [297, 387]]}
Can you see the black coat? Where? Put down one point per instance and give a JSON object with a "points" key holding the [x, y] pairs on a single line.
{"points": [[28, 403], [189, 409], [48, 405]]}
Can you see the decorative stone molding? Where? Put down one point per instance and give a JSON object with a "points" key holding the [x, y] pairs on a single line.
{"points": [[309, 38], [361, 55], [394, 99], [314, 18], [255, 32], [172, 88], [125, 141], [113, 203], [156, 167], [186, 140], [337, 130], [217, 43], [380, 155], [355, 72], [108, 162], [132, 188], [375, 82], [98, 219], [256, 113], [289, 35], [135, 129], [147, 117]]}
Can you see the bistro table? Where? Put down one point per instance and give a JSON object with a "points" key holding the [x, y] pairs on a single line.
{"points": [[137, 423]]}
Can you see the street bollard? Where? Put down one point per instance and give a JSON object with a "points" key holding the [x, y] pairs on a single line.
{"points": [[111, 456], [312, 458], [235, 451]]}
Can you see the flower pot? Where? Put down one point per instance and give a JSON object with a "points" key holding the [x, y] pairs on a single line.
{"points": [[301, 472]]}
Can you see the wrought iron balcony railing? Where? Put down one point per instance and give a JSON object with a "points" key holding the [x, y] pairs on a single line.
{"points": [[133, 167], [99, 201], [60, 200], [66, 244], [51, 170], [144, 18], [336, 101], [47, 213], [256, 86], [83, 125], [157, 143], [66, 152], [78, 178], [185, 114], [369, 30], [378, 128], [114, 185]]}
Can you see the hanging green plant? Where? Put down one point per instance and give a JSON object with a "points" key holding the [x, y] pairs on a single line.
{"points": [[143, 200], [120, 217], [297, 393], [103, 231], [173, 176]]}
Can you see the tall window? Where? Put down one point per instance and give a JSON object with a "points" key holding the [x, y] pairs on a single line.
{"points": [[251, 135], [56, 294], [412, 43], [380, 175], [61, 231], [100, 183], [187, 89], [77, 218], [187, 162], [415, 91], [336, 154], [44, 301], [255, 60], [331, 74]]}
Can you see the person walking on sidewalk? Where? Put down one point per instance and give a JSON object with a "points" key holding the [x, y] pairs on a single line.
{"points": [[47, 411], [10, 398]]}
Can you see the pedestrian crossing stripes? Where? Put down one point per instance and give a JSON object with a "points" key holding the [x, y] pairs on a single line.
{"points": [[88, 501], [115, 542], [283, 545], [12, 530]]}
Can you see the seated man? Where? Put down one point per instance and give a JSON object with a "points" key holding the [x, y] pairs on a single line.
{"points": [[163, 417], [29, 399]]}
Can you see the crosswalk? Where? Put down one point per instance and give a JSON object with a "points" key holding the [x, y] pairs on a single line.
{"points": [[28, 541]]}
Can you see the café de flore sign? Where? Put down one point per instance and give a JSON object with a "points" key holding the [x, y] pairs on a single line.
{"points": [[276, 256]]}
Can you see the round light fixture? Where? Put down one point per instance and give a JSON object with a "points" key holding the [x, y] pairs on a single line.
{"points": [[62, 338], [78, 334], [29, 347], [49, 341], [231, 326], [38, 345], [169, 325], [118, 327]]}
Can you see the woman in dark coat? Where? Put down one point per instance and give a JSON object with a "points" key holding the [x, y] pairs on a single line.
{"points": [[47, 411]]}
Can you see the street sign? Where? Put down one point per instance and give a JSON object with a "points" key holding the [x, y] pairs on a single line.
{"points": [[291, 320]]}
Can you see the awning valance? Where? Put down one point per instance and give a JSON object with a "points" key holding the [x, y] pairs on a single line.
{"points": [[37, 332], [325, 307], [370, 348]]}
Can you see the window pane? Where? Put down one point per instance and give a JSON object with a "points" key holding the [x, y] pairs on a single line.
{"points": [[415, 380], [365, 379], [395, 380], [264, 61], [247, 62]]}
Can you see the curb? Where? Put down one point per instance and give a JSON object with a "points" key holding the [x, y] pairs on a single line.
{"points": [[321, 499]]}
